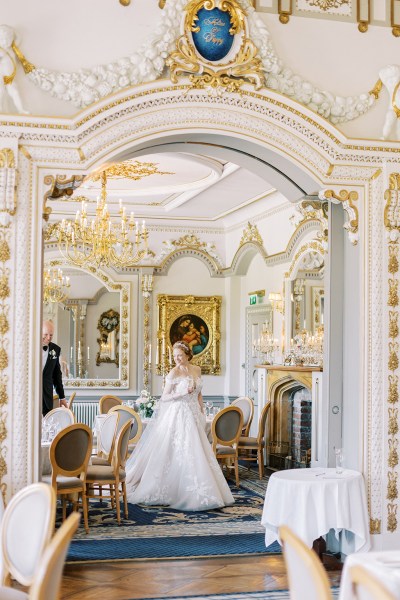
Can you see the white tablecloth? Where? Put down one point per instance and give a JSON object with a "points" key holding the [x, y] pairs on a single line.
{"points": [[313, 501], [45, 458], [384, 566]]}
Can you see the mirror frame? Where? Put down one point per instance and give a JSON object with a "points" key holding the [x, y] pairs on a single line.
{"points": [[112, 286]]}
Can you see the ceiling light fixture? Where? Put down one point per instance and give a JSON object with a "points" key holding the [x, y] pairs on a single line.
{"points": [[100, 241]]}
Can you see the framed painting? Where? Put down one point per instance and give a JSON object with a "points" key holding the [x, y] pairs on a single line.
{"points": [[195, 320]]}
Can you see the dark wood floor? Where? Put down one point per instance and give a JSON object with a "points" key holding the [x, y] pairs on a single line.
{"points": [[164, 578]]}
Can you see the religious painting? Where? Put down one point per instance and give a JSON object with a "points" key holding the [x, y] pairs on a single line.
{"points": [[194, 320], [108, 326]]}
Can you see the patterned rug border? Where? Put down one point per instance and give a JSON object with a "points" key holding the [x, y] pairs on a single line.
{"points": [[167, 558], [260, 595]]}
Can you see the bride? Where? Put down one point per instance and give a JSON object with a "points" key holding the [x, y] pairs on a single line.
{"points": [[173, 464]]}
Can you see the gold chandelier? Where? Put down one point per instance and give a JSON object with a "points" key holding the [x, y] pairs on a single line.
{"points": [[55, 286], [99, 241]]}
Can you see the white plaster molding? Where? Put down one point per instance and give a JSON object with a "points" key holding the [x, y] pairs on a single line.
{"points": [[377, 366], [88, 85]]}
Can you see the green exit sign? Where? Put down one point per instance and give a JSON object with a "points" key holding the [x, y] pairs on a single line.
{"points": [[253, 299]]}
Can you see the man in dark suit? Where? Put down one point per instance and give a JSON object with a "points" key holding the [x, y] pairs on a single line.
{"points": [[52, 376]]}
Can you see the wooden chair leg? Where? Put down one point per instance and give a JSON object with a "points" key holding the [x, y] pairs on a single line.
{"points": [[260, 463], [237, 472], [117, 502], [112, 496], [101, 494], [125, 499], [85, 510], [64, 508]]}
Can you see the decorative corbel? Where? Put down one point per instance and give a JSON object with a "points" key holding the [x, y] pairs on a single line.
{"points": [[346, 199], [60, 186]]}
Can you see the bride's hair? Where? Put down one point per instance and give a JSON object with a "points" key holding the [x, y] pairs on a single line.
{"points": [[185, 347]]}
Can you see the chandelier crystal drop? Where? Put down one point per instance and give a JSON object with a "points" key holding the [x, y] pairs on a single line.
{"points": [[55, 286], [99, 241]]}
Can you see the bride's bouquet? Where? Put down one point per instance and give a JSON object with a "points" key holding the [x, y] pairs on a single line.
{"points": [[147, 404]]}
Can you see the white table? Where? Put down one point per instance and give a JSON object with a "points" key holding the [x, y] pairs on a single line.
{"points": [[45, 458], [384, 566], [313, 501]]}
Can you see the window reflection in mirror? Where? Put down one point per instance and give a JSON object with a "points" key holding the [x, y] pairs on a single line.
{"points": [[85, 353], [307, 291]]}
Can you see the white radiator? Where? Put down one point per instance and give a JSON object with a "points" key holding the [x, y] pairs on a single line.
{"points": [[85, 412]]}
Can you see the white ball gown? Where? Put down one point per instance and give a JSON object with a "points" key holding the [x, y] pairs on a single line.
{"points": [[173, 463]]}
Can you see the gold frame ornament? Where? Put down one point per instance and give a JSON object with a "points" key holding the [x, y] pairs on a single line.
{"points": [[108, 322], [241, 64], [201, 309]]}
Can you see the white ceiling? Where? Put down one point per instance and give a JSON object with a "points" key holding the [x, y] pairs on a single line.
{"points": [[189, 188]]}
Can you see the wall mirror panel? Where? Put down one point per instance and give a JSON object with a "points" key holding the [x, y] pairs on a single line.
{"points": [[307, 295], [91, 326]]}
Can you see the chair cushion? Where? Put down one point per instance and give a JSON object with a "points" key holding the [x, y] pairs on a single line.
{"points": [[64, 483], [7, 593], [102, 473], [97, 460], [225, 450], [249, 441]]}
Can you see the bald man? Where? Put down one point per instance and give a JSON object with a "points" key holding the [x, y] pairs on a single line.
{"points": [[52, 376]]}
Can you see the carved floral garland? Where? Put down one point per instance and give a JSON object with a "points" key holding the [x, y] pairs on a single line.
{"points": [[86, 86]]}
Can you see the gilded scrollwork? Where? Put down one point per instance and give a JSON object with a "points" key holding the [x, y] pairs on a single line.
{"points": [[392, 223], [147, 288], [251, 234], [393, 457], [392, 491], [375, 526], [8, 206], [245, 66], [347, 199]]}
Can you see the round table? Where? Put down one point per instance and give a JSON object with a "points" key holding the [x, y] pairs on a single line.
{"points": [[313, 501], [384, 566]]}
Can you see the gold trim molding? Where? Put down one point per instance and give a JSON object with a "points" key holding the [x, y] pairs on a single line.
{"points": [[245, 67], [347, 200]]}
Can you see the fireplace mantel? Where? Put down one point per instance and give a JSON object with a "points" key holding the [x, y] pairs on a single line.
{"points": [[276, 381], [301, 374]]}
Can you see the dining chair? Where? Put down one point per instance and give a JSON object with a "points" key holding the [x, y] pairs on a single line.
{"points": [[106, 439], [127, 413], [246, 405], [247, 444], [61, 416], [107, 402], [69, 457], [26, 529], [366, 587], [47, 580], [226, 430], [71, 400], [306, 576], [112, 476]]}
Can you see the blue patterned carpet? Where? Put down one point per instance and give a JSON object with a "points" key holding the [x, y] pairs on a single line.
{"points": [[153, 532]]}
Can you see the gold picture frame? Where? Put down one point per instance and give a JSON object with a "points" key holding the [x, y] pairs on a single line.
{"points": [[108, 326], [194, 319]]}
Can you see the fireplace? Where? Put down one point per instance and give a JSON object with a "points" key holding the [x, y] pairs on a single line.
{"points": [[294, 432]]}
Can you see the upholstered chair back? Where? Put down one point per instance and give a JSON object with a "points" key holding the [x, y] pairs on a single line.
{"points": [[228, 424], [107, 402], [70, 450], [246, 405], [126, 413], [62, 416], [48, 580], [307, 577], [27, 527]]}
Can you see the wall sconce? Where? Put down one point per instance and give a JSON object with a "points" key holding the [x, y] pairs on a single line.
{"points": [[276, 301]]}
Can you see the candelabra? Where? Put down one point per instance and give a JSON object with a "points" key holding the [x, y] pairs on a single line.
{"points": [[267, 345], [55, 286], [100, 241], [307, 349]]}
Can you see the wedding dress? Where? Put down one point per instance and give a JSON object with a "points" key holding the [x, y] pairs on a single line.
{"points": [[173, 463]]}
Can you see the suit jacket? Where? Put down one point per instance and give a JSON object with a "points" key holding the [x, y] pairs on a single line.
{"points": [[52, 378]]}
